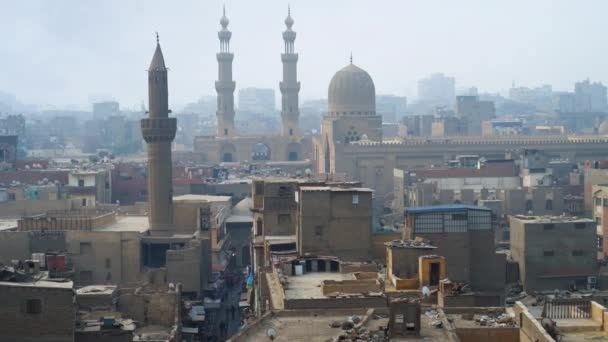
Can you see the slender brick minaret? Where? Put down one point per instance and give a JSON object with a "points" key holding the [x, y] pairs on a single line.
{"points": [[225, 85], [158, 131], [290, 87]]}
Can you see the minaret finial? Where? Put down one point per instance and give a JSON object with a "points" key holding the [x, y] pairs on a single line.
{"points": [[224, 9], [351, 57], [288, 9], [157, 39]]}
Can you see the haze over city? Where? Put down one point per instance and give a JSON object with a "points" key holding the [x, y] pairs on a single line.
{"points": [[387, 171], [66, 53]]}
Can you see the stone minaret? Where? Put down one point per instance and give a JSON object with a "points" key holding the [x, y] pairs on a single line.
{"points": [[290, 87], [158, 131], [225, 85]]}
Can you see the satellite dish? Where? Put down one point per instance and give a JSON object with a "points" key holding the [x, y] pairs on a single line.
{"points": [[271, 333]]}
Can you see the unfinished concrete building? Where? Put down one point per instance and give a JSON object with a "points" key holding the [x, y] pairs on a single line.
{"points": [[335, 221], [463, 234], [554, 252]]}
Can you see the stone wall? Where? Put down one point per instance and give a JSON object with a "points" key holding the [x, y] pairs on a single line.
{"points": [[154, 308], [530, 329]]}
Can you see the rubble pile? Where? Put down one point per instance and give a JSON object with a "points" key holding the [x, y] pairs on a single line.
{"points": [[354, 331]]}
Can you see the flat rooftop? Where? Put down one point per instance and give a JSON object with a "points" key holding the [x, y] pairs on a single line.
{"points": [[45, 284], [334, 188], [409, 244], [127, 224], [308, 285], [552, 219], [201, 198], [314, 326], [8, 224]]}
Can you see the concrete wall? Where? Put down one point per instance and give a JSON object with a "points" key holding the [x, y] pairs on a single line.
{"points": [[488, 334], [14, 246], [530, 330], [330, 224], [335, 303], [104, 257], [530, 242], [378, 246], [155, 308], [350, 286], [190, 266], [54, 324]]}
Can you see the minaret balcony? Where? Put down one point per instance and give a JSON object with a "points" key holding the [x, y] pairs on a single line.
{"points": [[158, 129], [225, 86], [289, 57]]}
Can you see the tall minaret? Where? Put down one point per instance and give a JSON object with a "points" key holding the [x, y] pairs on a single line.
{"points": [[158, 131], [225, 85], [290, 87]]}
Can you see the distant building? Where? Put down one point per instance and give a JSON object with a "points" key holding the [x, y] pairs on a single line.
{"points": [[8, 151], [257, 100], [88, 187], [474, 112], [437, 88], [102, 110], [590, 97], [540, 97], [600, 215], [554, 252], [391, 107]]}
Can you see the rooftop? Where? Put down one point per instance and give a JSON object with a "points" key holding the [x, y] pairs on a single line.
{"points": [[127, 224], [309, 285], [408, 244], [201, 198], [334, 188], [444, 208], [45, 284], [552, 219]]}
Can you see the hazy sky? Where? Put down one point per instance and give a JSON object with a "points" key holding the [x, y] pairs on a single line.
{"points": [[64, 52]]}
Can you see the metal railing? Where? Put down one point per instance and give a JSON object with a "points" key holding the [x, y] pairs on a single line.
{"points": [[567, 308]]}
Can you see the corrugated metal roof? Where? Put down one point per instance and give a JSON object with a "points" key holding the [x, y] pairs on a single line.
{"points": [[445, 207]]}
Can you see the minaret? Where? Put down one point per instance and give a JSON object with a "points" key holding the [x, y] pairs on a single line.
{"points": [[158, 130], [290, 87], [225, 85]]}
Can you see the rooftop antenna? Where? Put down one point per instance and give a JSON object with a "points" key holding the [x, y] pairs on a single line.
{"points": [[157, 39], [351, 57]]}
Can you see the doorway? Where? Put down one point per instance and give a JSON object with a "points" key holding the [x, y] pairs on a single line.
{"points": [[434, 274]]}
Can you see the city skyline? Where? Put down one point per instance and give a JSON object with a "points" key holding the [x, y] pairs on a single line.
{"points": [[49, 62]]}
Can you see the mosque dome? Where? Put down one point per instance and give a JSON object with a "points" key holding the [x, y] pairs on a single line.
{"points": [[603, 129], [352, 92]]}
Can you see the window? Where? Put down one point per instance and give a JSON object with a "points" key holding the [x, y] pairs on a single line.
{"points": [[84, 202], [284, 219], [81, 183], [549, 204], [598, 220], [605, 202], [355, 199], [598, 201], [578, 252], [108, 262], [86, 248], [107, 185], [225, 131], [291, 131], [548, 253], [580, 225], [459, 216], [548, 226], [258, 227], [319, 231], [33, 306]]}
